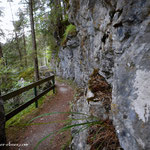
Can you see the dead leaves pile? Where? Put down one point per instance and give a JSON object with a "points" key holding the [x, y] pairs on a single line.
{"points": [[101, 89], [103, 136]]}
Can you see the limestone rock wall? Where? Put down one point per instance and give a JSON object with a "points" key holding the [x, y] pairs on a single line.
{"points": [[114, 36], [92, 48], [80, 105]]}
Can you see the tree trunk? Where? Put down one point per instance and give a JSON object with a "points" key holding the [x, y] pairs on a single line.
{"points": [[25, 51], [16, 36], [58, 24], [1, 52], [18, 47], [1, 55], [34, 47], [2, 125]]}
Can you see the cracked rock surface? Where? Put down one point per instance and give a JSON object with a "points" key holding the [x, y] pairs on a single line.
{"points": [[114, 36]]}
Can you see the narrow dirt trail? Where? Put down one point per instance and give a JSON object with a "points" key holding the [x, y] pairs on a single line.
{"points": [[34, 133]]}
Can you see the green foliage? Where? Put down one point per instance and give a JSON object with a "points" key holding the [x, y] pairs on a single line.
{"points": [[27, 74], [65, 21], [51, 19], [48, 54], [66, 18], [7, 78], [52, 43], [70, 30]]}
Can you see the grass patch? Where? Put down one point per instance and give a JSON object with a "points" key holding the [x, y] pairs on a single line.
{"points": [[103, 136], [27, 74]]}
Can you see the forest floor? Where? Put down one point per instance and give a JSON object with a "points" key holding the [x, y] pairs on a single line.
{"points": [[32, 134]]}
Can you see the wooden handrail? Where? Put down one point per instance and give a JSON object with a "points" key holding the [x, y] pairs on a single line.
{"points": [[22, 107], [26, 88]]}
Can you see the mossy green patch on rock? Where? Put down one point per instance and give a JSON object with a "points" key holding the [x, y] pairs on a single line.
{"points": [[70, 30]]}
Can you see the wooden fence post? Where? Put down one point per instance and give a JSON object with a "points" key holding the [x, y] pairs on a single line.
{"points": [[35, 94], [2, 125], [53, 80]]}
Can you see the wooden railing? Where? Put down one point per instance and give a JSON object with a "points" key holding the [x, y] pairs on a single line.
{"points": [[26, 88]]}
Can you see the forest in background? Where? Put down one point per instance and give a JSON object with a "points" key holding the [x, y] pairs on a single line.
{"points": [[23, 54], [40, 31]]}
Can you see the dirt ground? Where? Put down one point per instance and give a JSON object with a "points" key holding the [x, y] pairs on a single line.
{"points": [[32, 134]]}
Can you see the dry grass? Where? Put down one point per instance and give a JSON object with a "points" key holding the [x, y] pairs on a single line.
{"points": [[103, 136], [101, 89]]}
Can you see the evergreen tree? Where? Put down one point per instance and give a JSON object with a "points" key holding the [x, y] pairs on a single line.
{"points": [[34, 46]]}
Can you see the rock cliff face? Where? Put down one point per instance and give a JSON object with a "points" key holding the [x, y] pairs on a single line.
{"points": [[114, 36]]}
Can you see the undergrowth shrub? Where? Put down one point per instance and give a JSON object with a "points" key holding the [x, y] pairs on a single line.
{"points": [[27, 74], [7, 78]]}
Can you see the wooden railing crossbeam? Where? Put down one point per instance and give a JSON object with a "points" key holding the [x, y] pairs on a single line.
{"points": [[35, 99], [22, 107], [21, 90]]}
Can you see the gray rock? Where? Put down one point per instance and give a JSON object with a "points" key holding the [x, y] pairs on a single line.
{"points": [[80, 133], [114, 36], [73, 42], [131, 93]]}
